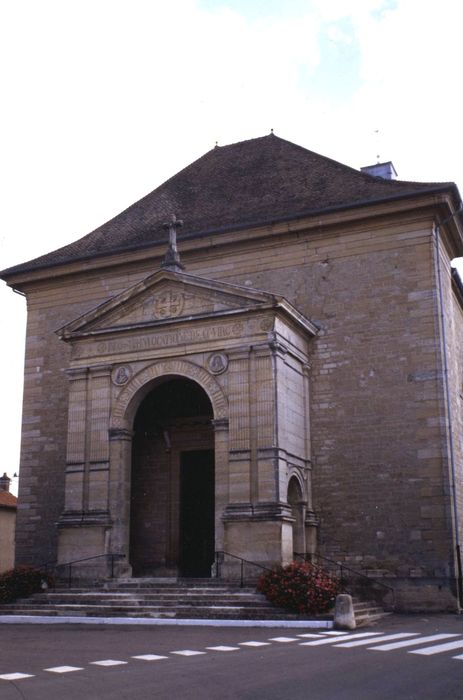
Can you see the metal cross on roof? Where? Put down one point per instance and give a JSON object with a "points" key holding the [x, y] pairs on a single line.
{"points": [[172, 258]]}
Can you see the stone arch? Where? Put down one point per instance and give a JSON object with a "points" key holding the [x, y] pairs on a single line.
{"points": [[297, 501], [130, 397], [296, 488]]}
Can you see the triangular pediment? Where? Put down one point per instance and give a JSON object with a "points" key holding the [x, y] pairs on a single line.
{"points": [[167, 297]]}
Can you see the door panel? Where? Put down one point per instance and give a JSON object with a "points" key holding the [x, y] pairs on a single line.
{"points": [[197, 513]]}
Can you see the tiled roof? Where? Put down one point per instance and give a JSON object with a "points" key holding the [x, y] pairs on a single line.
{"points": [[253, 182], [7, 500]]}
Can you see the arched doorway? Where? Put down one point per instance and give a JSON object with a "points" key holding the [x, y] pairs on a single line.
{"points": [[298, 505], [172, 503]]}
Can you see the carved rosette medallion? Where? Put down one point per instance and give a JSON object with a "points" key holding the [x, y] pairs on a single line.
{"points": [[169, 304], [121, 375], [217, 363]]}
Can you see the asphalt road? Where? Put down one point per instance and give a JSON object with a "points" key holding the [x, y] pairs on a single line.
{"points": [[286, 666]]}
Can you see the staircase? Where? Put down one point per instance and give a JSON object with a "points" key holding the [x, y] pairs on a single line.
{"points": [[203, 599], [367, 612], [156, 599]]}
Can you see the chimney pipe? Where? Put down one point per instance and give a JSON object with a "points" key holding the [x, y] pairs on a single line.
{"points": [[5, 482], [384, 170]]}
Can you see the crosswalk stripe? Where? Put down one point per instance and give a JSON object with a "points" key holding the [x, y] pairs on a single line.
{"points": [[384, 638], [223, 648], [15, 676], [149, 657], [283, 639], [438, 648], [334, 640], [411, 642]]}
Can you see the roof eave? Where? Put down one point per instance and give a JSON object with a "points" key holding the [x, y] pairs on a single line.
{"points": [[449, 188]]}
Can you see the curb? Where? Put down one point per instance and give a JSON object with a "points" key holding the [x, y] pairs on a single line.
{"points": [[61, 620]]}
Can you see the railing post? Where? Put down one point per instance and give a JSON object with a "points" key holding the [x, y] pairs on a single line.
{"points": [[70, 576], [112, 565], [242, 574]]}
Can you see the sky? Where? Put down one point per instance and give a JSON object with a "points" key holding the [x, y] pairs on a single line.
{"points": [[103, 100]]}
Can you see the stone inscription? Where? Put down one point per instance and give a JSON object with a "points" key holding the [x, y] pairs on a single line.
{"points": [[169, 339]]}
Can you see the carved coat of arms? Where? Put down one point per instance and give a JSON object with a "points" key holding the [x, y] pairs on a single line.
{"points": [[169, 303]]}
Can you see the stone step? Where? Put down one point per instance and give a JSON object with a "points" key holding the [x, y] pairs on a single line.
{"points": [[174, 583], [138, 608], [107, 603], [214, 614], [365, 620], [181, 612], [203, 590], [142, 595], [362, 608]]}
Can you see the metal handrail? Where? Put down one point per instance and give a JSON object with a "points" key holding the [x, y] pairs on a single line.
{"points": [[54, 566], [242, 563], [342, 568]]}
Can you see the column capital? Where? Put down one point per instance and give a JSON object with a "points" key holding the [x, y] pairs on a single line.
{"points": [[100, 370], [122, 434], [220, 424], [76, 373]]}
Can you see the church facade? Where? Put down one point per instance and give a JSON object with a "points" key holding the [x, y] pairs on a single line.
{"points": [[290, 384]]}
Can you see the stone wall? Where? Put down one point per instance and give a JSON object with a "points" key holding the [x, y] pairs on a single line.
{"points": [[375, 383], [7, 528]]}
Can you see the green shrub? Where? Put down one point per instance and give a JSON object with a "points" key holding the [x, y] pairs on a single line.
{"points": [[300, 587], [22, 582]]}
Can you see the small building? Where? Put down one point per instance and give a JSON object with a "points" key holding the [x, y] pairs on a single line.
{"points": [[291, 385], [8, 507]]}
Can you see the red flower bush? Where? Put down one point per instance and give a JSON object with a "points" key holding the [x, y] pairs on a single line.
{"points": [[22, 582], [300, 587]]}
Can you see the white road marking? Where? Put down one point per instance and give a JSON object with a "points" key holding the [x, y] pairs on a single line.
{"points": [[149, 657], [284, 639], [15, 676], [438, 648], [334, 640], [411, 642], [223, 648], [385, 638]]}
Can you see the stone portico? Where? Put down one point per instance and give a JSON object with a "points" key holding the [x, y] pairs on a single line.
{"points": [[246, 351]]}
